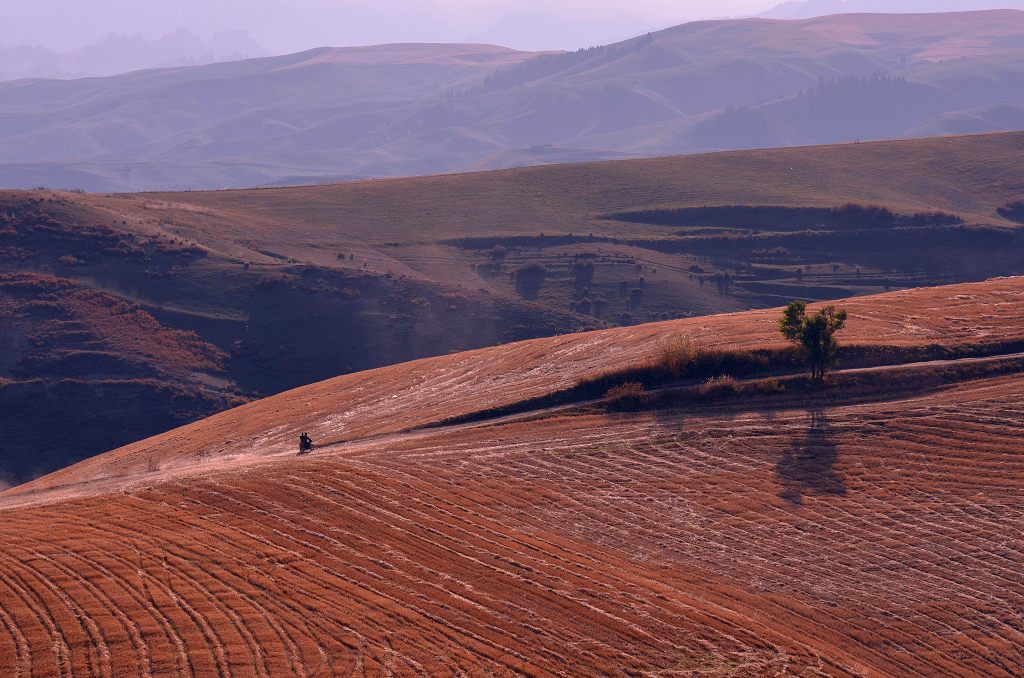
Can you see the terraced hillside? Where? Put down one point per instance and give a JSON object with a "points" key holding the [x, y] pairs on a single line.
{"points": [[64, 347], [870, 528], [697, 234]]}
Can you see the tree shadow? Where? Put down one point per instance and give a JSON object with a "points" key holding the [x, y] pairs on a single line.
{"points": [[809, 467]]}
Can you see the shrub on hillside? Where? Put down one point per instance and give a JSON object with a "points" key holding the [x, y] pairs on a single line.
{"points": [[582, 275], [630, 395], [529, 279], [717, 387], [1013, 211], [677, 356]]}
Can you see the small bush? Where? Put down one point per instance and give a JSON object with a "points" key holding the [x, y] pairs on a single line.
{"points": [[630, 395], [582, 275], [717, 387], [677, 356], [1013, 211]]}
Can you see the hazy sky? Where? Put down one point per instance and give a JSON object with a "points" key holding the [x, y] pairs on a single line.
{"points": [[292, 25]]}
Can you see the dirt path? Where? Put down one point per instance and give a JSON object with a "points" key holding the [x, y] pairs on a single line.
{"points": [[404, 438]]}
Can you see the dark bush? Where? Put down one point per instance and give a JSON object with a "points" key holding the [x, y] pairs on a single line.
{"points": [[1013, 211], [529, 279], [582, 275], [628, 396]]}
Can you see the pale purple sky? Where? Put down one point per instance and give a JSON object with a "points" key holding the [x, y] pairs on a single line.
{"points": [[292, 25]]}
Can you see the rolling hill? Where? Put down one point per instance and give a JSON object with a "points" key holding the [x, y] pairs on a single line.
{"points": [[114, 327], [866, 528], [805, 9], [238, 123], [332, 114], [267, 290]]}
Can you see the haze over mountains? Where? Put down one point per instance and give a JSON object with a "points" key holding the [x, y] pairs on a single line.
{"points": [[331, 114], [805, 9], [117, 54]]}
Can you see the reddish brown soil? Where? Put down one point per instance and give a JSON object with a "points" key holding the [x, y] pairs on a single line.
{"points": [[761, 537]]}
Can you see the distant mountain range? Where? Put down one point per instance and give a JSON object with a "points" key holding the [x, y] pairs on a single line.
{"points": [[123, 53], [333, 114], [806, 9]]}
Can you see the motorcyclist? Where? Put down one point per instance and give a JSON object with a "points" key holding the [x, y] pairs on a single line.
{"points": [[305, 443]]}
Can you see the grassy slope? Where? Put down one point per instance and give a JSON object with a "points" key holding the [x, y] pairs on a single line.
{"points": [[748, 539], [970, 175], [407, 225]]}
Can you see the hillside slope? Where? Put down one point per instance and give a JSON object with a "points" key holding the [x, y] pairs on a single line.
{"points": [[865, 533], [66, 348], [239, 123], [696, 234], [300, 284], [114, 327], [395, 110]]}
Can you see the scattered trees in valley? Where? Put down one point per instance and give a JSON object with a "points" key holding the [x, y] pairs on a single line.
{"points": [[813, 335], [529, 279], [1013, 211]]}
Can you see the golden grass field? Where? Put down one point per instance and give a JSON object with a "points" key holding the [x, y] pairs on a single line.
{"points": [[787, 534]]}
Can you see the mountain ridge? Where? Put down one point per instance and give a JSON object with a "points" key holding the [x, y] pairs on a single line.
{"points": [[715, 85]]}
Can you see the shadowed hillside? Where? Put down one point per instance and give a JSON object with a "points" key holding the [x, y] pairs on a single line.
{"points": [[749, 534], [81, 369], [113, 326]]}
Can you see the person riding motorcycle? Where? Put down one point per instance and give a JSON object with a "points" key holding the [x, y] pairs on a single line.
{"points": [[305, 443]]}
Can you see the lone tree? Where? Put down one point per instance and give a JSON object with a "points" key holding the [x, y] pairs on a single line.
{"points": [[813, 334]]}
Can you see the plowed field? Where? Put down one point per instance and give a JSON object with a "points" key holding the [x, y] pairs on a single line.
{"points": [[760, 536]]}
